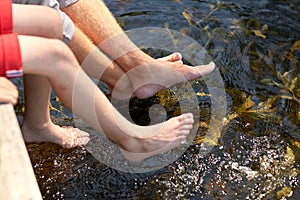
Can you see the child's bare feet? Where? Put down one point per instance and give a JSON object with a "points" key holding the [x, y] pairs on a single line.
{"points": [[167, 137], [67, 137]]}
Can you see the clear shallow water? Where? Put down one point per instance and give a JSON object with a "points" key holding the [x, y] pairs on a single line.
{"points": [[253, 44]]}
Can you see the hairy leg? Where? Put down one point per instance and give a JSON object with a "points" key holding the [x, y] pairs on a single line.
{"points": [[82, 96], [37, 125], [98, 65], [97, 22]]}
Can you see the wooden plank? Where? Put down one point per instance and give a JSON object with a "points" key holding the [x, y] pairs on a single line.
{"points": [[17, 179]]}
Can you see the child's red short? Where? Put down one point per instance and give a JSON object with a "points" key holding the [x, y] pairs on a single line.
{"points": [[5, 17], [10, 54]]}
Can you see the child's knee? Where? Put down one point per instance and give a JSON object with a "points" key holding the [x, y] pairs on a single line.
{"points": [[60, 52], [57, 49]]}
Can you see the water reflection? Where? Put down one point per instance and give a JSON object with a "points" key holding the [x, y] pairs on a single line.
{"points": [[255, 45]]}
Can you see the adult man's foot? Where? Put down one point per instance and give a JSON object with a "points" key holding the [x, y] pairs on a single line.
{"points": [[123, 88], [147, 80], [148, 75]]}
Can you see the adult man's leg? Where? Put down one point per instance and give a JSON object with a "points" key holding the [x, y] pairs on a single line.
{"points": [[95, 20]]}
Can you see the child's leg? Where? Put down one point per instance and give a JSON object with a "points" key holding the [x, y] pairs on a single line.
{"points": [[36, 21], [37, 125], [55, 61]]}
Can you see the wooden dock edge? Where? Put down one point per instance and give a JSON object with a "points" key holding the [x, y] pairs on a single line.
{"points": [[17, 179]]}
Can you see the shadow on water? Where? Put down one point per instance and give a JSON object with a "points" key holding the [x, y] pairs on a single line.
{"points": [[256, 46]]}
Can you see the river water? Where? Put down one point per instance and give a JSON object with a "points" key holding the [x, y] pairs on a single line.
{"points": [[256, 47]]}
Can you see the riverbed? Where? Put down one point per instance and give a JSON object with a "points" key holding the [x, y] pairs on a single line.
{"points": [[255, 155]]}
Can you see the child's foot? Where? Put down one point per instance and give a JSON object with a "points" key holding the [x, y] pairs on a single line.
{"points": [[169, 135], [67, 137]]}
